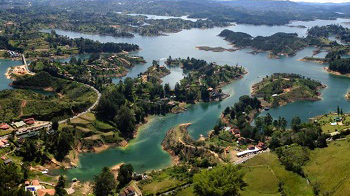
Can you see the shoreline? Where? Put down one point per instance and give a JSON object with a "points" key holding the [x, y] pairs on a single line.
{"points": [[337, 73], [306, 59]]}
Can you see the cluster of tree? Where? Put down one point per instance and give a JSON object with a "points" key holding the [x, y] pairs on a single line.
{"points": [[337, 54], [220, 181], [245, 105], [325, 31], [105, 183], [77, 97], [285, 88], [11, 177], [201, 77], [340, 65], [90, 46], [96, 70], [293, 158], [278, 43], [276, 83], [129, 102]]}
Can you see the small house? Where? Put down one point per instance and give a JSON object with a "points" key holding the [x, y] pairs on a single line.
{"points": [[261, 146], [251, 147], [35, 182], [8, 161], [43, 192], [4, 126], [29, 121], [128, 191], [19, 124]]}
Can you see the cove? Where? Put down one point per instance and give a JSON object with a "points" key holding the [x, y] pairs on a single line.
{"points": [[145, 152]]}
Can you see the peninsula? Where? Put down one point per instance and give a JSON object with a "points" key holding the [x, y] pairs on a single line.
{"points": [[282, 88]]}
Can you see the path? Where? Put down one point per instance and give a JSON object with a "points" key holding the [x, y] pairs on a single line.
{"points": [[201, 147], [87, 110]]}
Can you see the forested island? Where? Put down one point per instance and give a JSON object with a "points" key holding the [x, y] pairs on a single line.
{"points": [[215, 49], [282, 88], [96, 70], [278, 44], [339, 31], [45, 45], [69, 98]]}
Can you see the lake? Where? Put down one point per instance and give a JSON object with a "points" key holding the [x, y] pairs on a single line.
{"points": [[145, 152]]}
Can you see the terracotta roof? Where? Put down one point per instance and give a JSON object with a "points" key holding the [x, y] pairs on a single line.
{"points": [[4, 126], [42, 192], [35, 182]]}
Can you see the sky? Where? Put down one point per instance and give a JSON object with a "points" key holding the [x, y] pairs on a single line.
{"points": [[324, 1]]}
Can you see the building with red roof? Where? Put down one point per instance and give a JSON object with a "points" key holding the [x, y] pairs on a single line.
{"points": [[29, 121], [4, 126], [43, 192]]}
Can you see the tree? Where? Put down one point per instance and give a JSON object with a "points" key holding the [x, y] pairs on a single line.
{"points": [[55, 125], [125, 120], [125, 175], [220, 181], [104, 183], [60, 186], [295, 123], [167, 89]]}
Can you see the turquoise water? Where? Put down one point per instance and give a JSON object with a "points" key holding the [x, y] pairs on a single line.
{"points": [[145, 152]]}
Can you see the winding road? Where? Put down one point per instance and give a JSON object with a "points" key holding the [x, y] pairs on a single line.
{"points": [[87, 110]]}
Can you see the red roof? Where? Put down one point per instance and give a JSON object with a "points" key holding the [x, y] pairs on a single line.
{"points": [[30, 122], [35, 183], [42, 192], [4, 126]]}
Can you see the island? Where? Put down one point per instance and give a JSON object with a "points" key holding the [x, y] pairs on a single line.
{"points": [[215, 49], [282, 88], [155, 72]]}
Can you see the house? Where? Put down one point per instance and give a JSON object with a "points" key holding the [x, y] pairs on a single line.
{"points": [[261, 146], [35, 182], [227, 128], [43, 192], [8, 161], [4, 126], [171, 103], [251, 147], [19, 124], [29, 121], [236, 131], [248, 151], [128, 191]]}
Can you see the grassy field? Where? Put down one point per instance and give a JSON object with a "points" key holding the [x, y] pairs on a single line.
{"points": [[93, 131], [329, 167], [264, 172], [188, 191], [326, 120]]}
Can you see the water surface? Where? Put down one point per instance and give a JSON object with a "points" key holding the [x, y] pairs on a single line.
{"points": [[145, 151]]}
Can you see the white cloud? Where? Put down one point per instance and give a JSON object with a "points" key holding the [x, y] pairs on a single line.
{"points": [[324, 1]]}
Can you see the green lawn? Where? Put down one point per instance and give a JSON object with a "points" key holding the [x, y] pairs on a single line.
{"points": [[160, 186], [326, 120], [261, 181], [188, 191], [267, 186], [330, 167]]}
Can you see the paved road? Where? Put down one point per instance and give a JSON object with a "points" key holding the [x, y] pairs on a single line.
{"points": [[87, 110]]}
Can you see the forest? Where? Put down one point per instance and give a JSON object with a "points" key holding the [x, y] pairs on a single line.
{"points": [[277, 44], [281, 88], [17, 104]]}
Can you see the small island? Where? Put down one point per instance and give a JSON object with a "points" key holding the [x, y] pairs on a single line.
{"points": [[92, 70], [278, 44], [282, 88], [215, 49], [339, 67], [155, 72], [204, 80]]}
